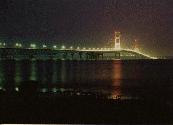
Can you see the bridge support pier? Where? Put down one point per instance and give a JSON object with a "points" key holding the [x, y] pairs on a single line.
{"points": [[65, 55], [117, 55], [80, 56], [102, 56], [72, 55]]}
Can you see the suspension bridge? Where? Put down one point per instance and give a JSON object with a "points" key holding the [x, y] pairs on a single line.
{"points": [[18, 52]]}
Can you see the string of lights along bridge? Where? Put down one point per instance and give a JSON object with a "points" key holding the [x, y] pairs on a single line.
{"points": [[71, 53]]}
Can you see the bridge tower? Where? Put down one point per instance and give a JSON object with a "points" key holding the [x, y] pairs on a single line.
{"points": [[117, 40]]}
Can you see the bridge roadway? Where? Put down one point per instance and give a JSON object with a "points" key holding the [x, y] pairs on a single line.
{"points": [[71, 54]]}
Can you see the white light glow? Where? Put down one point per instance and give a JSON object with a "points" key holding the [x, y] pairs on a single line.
{"points": [[54, 47], [62, 47], [32, 45], [44, 46]]}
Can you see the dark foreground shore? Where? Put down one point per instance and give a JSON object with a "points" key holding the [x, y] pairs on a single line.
{"points": [[26, 108]]}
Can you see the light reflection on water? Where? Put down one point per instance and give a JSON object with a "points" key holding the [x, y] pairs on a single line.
{"points": [[1, 75], [117, 79], [111, 78], [18, 73], [63, 72], [55, 74], [33, 75]]}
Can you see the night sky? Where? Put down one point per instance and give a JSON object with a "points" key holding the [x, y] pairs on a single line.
{"points": [[89, 23]]}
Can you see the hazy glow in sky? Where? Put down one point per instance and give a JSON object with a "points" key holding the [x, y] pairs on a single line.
{"points": [[90, 22]]}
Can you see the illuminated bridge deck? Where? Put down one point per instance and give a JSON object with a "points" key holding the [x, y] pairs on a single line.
{"points": [[71, 54]]}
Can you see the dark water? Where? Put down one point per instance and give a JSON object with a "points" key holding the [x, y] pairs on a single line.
{"points": [[138, 91], [112, 79]]}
